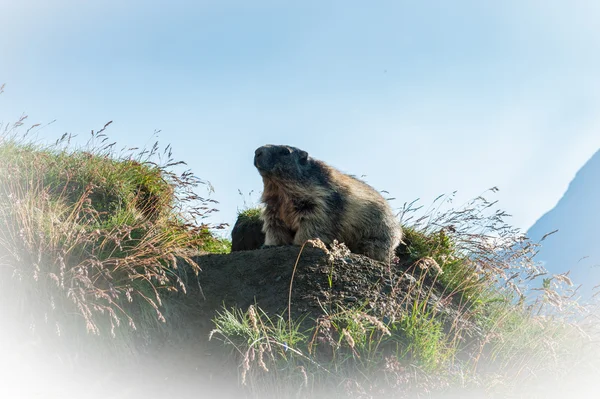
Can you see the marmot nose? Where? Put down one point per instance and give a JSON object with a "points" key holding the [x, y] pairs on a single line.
{"points": [[259, 152]]}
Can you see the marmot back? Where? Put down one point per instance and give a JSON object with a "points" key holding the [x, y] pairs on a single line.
{"points": [[305, 199]]}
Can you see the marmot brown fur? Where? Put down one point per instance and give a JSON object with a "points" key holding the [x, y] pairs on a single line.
{"points": [[305, 198]]}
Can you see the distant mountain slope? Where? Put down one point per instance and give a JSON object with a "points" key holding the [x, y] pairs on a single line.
{"points": [[576, 245]]}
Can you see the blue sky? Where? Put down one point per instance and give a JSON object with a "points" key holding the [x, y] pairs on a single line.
{"points": [[423, 98]]}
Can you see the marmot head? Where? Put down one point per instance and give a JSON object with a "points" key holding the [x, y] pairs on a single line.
{"points": [[281, 161]]}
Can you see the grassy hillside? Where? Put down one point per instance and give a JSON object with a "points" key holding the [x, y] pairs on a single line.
{"points": [[98, 249], [453, 311], [91, 238]]}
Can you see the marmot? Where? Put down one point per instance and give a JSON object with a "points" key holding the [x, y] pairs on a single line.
{"points": [[305, 198]]}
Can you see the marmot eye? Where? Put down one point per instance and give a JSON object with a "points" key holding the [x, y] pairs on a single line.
{"points": [[285, 151]]}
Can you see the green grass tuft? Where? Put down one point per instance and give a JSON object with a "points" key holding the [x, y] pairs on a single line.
{"points": [[91, 239], [249, 215]]}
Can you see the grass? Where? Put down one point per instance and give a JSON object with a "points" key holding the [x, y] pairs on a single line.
{"points": [[250, 214], [92, 239], [347, 345], [99, 244], [472, 321]]}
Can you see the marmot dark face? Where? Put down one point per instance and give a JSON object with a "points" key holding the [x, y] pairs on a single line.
{"points": [[281, 161]]}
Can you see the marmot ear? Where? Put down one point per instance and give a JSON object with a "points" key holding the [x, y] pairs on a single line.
{"points": [[303, 156]]}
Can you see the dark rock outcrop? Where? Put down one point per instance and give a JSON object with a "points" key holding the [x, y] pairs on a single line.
{"points": [[322, 282], [247, 234]]}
